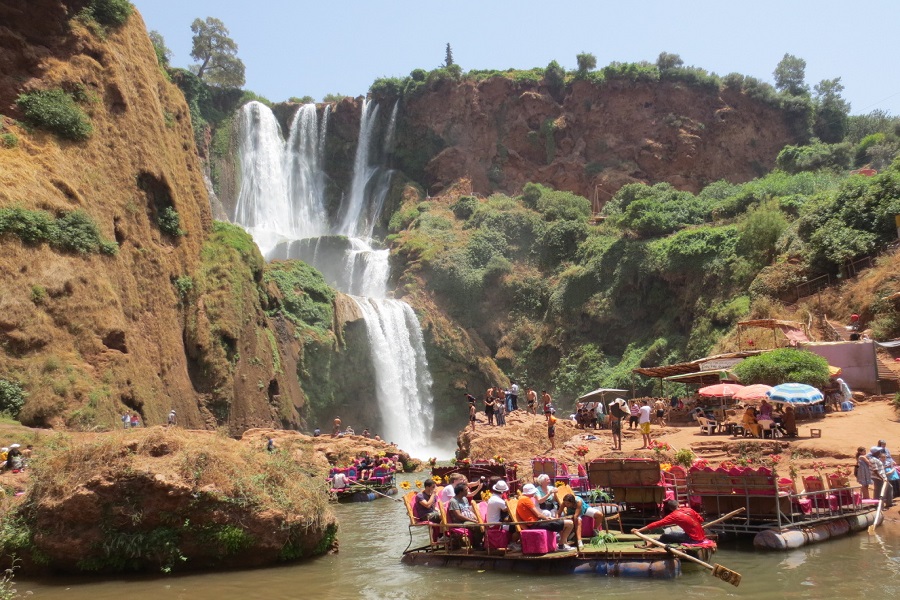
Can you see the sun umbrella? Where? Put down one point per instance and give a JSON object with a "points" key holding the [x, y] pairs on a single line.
{"points": [[795, 393], [720, 390], [753, 392]]}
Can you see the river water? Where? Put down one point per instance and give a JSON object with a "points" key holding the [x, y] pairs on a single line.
{"points": [[373, 536]]}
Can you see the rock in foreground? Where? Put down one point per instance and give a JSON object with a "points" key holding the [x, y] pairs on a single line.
{"points": [[167, 499]]}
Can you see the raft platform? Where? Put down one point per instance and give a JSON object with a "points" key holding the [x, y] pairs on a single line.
{"points": [[615, 559]]}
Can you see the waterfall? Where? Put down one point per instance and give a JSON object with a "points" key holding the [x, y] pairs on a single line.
{"points": [[281, 203]]}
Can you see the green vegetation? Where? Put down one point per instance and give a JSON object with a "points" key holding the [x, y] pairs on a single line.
{"points": [[73, 231], [305, 298], [785, 365], [216, 53], [12, 398], [170, 222], [56, 111], [111, 13], [586, 62], [163, 53]]}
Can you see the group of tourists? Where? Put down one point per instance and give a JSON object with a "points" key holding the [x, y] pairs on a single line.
{"points": [[539, 506], [131, 420], [877, 468], [338, 432]]}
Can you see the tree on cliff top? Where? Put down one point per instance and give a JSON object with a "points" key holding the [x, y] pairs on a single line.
{"points": [[448, 57], [217, 53], [790, 75], [586, 62]]}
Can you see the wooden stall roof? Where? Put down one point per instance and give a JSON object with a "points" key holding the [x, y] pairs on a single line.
{"points": [[689, 367], [770, 323]]}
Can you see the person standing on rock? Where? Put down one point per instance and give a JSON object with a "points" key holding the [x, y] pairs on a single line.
{"points": [[547, 401], [489, 407], [531, 397], [172, 420], [337, 427], [472, 412], [616, 414], [551, 431], [500, 411], [660, 407], [514, 396]]}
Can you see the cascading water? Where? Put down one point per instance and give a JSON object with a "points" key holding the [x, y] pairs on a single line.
{"points": [[281, 203]]}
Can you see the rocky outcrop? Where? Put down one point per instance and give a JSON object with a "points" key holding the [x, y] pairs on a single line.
{"points": [[170, 500]]}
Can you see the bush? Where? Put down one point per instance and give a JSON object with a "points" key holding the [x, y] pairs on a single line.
{"points": [[464, 207], [72, 232], [12, 398], [9, 140], [785, 365], [111, 13], [57, 112], [305, 296], [170, 222]]}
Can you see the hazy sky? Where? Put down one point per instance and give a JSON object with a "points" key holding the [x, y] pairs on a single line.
{"points": [[299, 48]]}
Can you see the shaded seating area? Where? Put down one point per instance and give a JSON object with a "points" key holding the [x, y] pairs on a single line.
{"points": [[636, 484]]}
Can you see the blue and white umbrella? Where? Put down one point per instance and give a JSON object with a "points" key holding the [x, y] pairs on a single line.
{"points": [[795, 393]]}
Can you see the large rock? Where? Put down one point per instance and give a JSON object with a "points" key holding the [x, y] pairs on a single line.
{"points": [[167, 499]]}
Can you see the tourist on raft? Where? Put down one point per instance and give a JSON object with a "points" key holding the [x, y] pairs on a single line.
{"points": [[576, 507], [459, 511], [681, 516], [546, 496], [425, 507], [455, 479], [528, 512]]}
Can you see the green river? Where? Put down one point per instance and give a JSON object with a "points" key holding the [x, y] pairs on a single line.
{"points": [[373, 535]]}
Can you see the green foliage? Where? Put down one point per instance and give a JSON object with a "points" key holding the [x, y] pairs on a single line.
{"points": [[784, 365], [790, 75], [73, 231], [217, 53], [759, 232], [580, 371], [554, 205], [831, 111], [555, 79], [56, 111], [667, 60], [305, 297], [815, 156], [448, 56], [464, 207], [651, 211], [560, 241], [163, 53], [112, 13], [484, 245], [586, 62], [635, 72], [232, 539], [170, 222], [9, 140], [684, 457], [333, 98], [184, 285], [387, 87], [12, 398]]}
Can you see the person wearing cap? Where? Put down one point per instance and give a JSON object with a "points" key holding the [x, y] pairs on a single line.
{"points": [[617, 412], [496, 504], [171, 420], [528, 512]]}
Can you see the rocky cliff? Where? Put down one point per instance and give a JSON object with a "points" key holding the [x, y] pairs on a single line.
{"points": [[170, 312]]}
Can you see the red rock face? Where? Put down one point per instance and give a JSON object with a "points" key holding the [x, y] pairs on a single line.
{"points": [[501, 134]]}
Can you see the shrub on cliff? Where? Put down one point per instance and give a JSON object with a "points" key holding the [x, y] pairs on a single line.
{"points": [[112, 13], [57, 112], [73, 231], [12, 398]]}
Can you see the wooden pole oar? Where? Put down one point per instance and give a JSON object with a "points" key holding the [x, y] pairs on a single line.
{"points": [[724, 518], [884, 485], [718, 571]]}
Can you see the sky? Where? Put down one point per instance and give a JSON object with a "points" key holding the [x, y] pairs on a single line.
{"points": [[300, 48]]}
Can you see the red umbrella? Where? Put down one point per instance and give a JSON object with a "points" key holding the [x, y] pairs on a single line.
{"points": [[720, 390], [753, 392]]}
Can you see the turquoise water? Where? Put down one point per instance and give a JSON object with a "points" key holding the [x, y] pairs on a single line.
{"points": [[373, 536]]}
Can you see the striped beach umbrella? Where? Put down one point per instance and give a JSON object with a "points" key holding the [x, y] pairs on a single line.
{"points": [[795, 393]]}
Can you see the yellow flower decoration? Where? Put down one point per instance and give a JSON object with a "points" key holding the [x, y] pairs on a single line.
{"points": [[418, 484], [405, 485], [486, 495], [560, 483], [437, 479], [665, 466]]}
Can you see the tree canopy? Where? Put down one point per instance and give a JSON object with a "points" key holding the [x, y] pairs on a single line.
{"points": [[217, 53], [586, 62], [790, 75], [785, 365]]}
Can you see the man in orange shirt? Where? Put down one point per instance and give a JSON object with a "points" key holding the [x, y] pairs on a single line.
{"points": [[526, 511]]}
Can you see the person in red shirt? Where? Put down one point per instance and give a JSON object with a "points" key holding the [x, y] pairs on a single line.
{"points": [[684, 517]]}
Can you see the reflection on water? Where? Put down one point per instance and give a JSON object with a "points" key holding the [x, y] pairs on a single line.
{"points": [[373, 535]]}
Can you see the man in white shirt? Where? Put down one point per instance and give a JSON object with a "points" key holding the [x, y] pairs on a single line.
{"points": [[514, 396], [644, 423]]}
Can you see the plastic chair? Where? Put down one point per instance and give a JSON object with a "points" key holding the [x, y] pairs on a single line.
{"points": [[707, 425]]}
